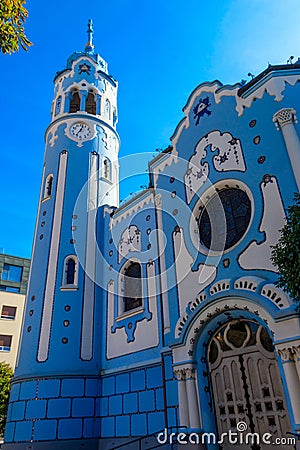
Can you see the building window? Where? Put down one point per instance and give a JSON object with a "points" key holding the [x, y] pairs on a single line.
{"points": [[90, 105], [9, 289], [75, 103], [70, 276], [233, 204], [5, 342], [107, 169], [48, 186], [8, 312], [58, 105], [12, 273], [132, 297], [107, 109]]}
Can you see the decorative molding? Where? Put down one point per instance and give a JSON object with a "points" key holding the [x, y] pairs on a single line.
{"points": [[179, 374], [276, 295], [296, 352], [130, 241], [247, 283], [284, 116], [258, 254], [131, 208], [285, 354], [220, 286]]}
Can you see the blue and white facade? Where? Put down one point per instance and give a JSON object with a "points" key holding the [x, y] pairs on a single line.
{"points": [[162, 312]]}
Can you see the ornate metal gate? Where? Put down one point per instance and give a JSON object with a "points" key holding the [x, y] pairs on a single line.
{"points": [[247, 385]]}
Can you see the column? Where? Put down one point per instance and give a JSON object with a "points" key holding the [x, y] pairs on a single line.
{"points": [[82, 95], [296, 355], [190, 375], [182, 397], [68, 97], [163, 273], [284, 119], [98, 103], [292, 380]]}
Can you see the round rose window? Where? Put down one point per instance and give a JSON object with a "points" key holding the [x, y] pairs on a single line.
{"points": [[224, 219]]}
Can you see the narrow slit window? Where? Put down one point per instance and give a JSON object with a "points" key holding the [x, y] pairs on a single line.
{"points": [[107, 109], [107, 169], [48, 186], [70, 273]]}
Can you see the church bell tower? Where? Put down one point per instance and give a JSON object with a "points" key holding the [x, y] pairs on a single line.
{"points": [[56, 383]]}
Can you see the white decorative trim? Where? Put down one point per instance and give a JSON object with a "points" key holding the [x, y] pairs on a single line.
{"points": [[247, 283], [284, 116], [258, 255], [273, 84], [188, 281], [131, 208], [131, 241], [87, 332], [230, 157], [276, 295], [220, 286], [167, 160], [52, 266]]}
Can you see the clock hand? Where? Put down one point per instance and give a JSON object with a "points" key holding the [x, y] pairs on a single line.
{"points": [[79, 130]]}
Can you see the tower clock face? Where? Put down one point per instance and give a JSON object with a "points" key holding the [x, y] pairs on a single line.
{"points": [[81, 131]]}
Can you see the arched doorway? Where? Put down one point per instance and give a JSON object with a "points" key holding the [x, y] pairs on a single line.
{"points": [[246, 384]]}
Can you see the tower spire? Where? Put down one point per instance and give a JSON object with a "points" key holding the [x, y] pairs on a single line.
{"points": [[89, 48]]}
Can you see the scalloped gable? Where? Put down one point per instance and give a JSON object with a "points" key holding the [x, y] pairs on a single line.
{"points": [[272, 81]]}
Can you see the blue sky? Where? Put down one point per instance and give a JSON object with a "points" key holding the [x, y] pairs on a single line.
{"points": [[159, 51]]}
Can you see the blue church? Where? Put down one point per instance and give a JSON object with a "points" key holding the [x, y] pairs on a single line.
{"points": [[161, 314]]}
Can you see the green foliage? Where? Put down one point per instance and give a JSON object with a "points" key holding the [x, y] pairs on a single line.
{"points": [[12, 18], [286, 253], [6, 374]]}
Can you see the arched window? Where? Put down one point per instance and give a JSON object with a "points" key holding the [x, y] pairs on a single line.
{"points": [[132, 297], [90, 105], [107, 109], [107, 169], [58, 105], [70, 275], [75, 102], [48, 186], [70, 271]]}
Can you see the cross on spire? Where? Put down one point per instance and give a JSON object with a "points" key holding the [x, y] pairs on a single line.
{"points": [[89, 48]]}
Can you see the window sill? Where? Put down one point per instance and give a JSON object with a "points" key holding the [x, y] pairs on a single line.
{"points": [[45, 199], [7, 317], [132, 312], [70, 287]]}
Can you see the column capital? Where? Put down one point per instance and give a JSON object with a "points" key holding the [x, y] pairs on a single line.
{"points": [[296, 352], [284, 116], [179, 374], [286, 354], [190, 373]]}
